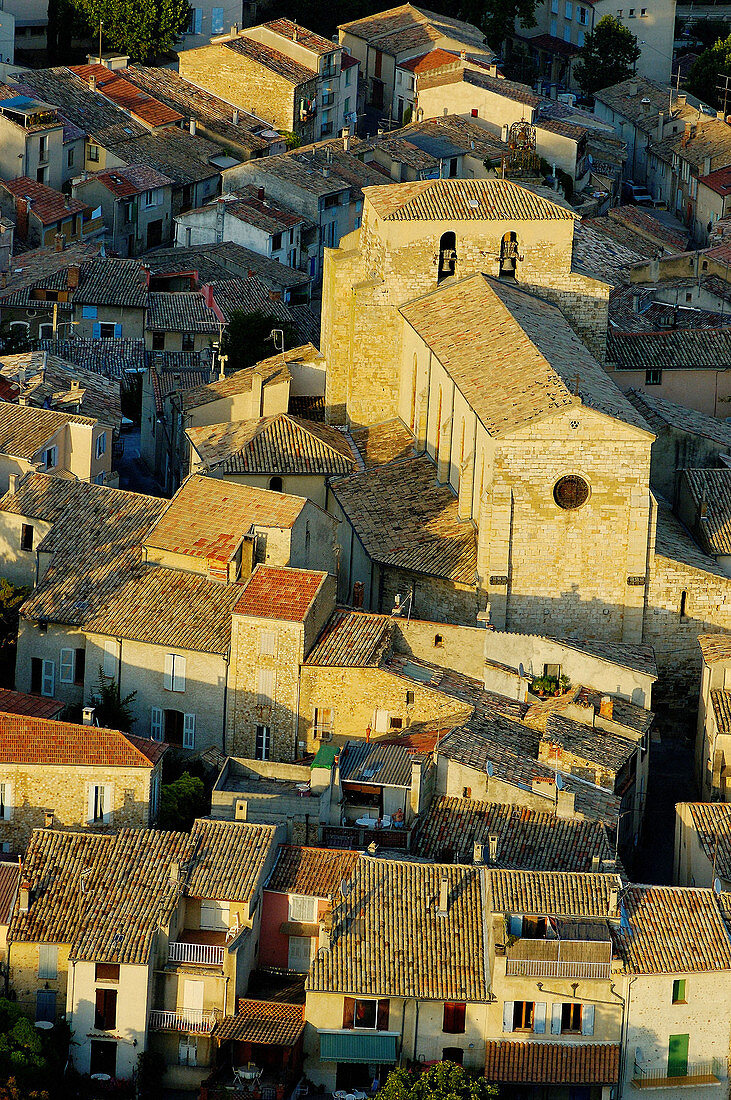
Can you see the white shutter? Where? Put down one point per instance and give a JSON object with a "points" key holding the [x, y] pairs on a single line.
{"points": [[188, 731], [508, 1007], [265, 686], [48, 682], [156, 724], [178, 673], [90, 803], [539, 1017], [107, 803], [299, 953], [6, 801], [587, 1020], [183, 1052], [109, 667], [556, 1018], [66, 666], [167, 681]]}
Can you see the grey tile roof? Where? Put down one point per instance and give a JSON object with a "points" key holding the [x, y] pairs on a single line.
{"points": [[63, 385], [112, 282], [269, 58], [710, 490], [674, 542], [641, 658], [89, 112], [110, 358], [597, 746], [231, 857], [661, 413], [600, 252], [277, 444], [351, 639], [181, 156], [273, 368], [389, 940], [181, 311], [508, 89], [679, 349], [375, 763], [220, 261], [407, 27], [530, 840]]}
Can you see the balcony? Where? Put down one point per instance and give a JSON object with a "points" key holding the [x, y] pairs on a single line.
{"points": [[555, 968], [564, 955], [697, 1074], [196, 954], [186, 1020]]}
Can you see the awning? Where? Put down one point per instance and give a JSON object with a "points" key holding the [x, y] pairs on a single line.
{"points": [[552, 1063], [378, 1047], [297, 928]]}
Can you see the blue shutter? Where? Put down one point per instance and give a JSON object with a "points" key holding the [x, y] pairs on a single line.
{"points": [[587, 1020], [216, 20], [118, 331], [198, 20], [539, 1017], [97, 330], [508, 1015]]}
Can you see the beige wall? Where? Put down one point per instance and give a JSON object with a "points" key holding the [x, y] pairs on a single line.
{"points": [[47, 646], [24, 980], [133, 1002]]}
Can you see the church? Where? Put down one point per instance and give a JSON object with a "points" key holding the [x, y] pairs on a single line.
{"points": [[504, 478]]}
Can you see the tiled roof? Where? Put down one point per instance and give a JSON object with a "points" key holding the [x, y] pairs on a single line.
{"points": [[388, 938], [269, 58], [50, 381], [263, 213], [661, 413], [626, 98], [405, 519], [463, 200], [272, 1023], [140, 105], [112, 282], [233, 384], [673, 542], [24, 430], [715, 647], [251, 295], [433, 139], [641, 658], [721, 703], [718, 181], [278, 444], [9, 879], [168, 607], [292, 30], [508, 89], [606, 252], [279, 593], [649, 226], [710, 491], [112, 358], [552, 1063], [208, 518], [25, 740], [351, 639], [220, 261], [671, 930], [34, 706], [712, 822], [521, 364], [180, 312], [376, 763], [551, 893], [678, 349], [174, 379], [407, 27], [605, 749], [528, 840], [49, 206], [181, 156], [311, 872], [381, 443], [709, 138], [130, 179], [230, 858]]}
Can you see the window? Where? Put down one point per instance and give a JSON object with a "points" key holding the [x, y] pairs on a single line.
{"points": [[570, 1018], [267, 643], [70, 159], [410, 697], [158, 341], [101, 444], [109, 660], [580, 38], [276, 242], [46, 1006], [523, 1013], [215, 915], [99, 811], [631, 13], [438, 640], [554, 28], [276, 485], [263, 746], [302, 909], [188, 1047], [188, 341], [50, 458], [653, 376], [570, 492], [568, 10], [79, 665], [195, 21], [105, 1009], [322, 723], [188, 731], [453, 1021], [26, 537], [42, 174], [103, 1058], [106, 972], [643, 13], [45, 332], [368, 1015], [554, 7], [299, 953], [679, 992], [174, 674], [683, 601], [156, 724], [583, 17], [47, 962], [66, 666], [453, 1054], [108, 330], [152, 198], [447, 256], [6, 801], [265, 687], [92, 152], [43, 676]]}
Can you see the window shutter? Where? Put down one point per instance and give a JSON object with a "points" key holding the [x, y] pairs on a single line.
{"points": [[117, 331], [6, 801], [97, 330], [107, 804], [382, 1018], [49, 678], [66, 666], [348, 1013], [90, 800], [183, 1052], [587, 1020], [110, 660], [556, 1018], [516, 926], [265, 686], [188, 731], [217, 21], [198, 20], [156, 724], [508, 1008], [539, 1017], [178, 673], [167, 681]]}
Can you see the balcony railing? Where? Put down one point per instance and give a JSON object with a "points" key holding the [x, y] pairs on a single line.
{"points": [[552, 968], [197, 954], [194, 1023], [696, 1075]]}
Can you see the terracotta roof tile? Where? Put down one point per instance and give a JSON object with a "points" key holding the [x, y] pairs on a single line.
{"points": [[721, 703], [715, 647], [9, 880], [130, 179], [552, 1062], [292, 30], [25, 740], [712, 822], [555, 894], [269, 58], [270, 1022], [231, 856], [351, 639], [278, 444], [311, 872], [279, 593], [49, 206], [671, 930], [463, 200], [125, 95], [24, 430], [33, 706]]}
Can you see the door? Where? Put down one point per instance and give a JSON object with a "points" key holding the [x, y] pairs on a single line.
{"points": [[677, 1056], [193, 995], [154, 233]]}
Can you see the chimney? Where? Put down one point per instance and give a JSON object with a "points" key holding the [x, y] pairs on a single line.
{"points": [[294, 33], [613, 902], [87, 716], [3, 279], [595, 861], [67, 201], [191, 126], [48, 819], [22, 206], [235, 116], [275, 295], [24, 896], [443, 896], [632, 88], [565, 804], [660, 124], [234, 30], [706, 165], [260, 194], [13, 482], [478, 852], [681, 99], [92, 83], [73, 274], [346, 140], [58, 242], [463, 55], [492, 841], [606, 706], [257, 394], [175, 871]]}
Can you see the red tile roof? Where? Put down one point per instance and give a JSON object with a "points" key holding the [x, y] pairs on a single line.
{"points": [[132, 179], [26, 740], [271, 1022], [128, 96], [9, 875], [718, 181], [49, 206], [273, 593], [552, 1063], [34, 706], [434, 59]]}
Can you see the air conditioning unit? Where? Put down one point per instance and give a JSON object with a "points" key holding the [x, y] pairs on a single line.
{"points": [[240, 809]]}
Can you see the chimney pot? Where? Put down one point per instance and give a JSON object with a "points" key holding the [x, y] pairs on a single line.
{"points": [[260, 194], [235, 117], [192, 126], [493, 842], [87, 716], [24, 896], [606, 706], [48, 819], [443, 894], [92, 83], [175, 871], [58, 242], [13, 482], [614, 902]]}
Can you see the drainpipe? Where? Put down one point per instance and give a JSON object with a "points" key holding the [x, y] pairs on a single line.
{"points": [[416, 1029], [227, 662], [403, 1021]]}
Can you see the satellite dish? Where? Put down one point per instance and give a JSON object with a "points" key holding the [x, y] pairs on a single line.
{"points": [[559, 781], [717, 886]]}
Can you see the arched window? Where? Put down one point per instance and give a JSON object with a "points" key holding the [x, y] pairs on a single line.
{"points": [[439, 426], [276, 484], [447, 256], [508, 256], [414, 373]]}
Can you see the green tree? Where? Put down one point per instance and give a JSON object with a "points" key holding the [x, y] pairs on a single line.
{"points": [[112, 711], [182, 801], [144, 29], [497, 18], [709, 71], [31, 1061], [12, 596], [444, 1081], [246, 338], [607, 56]]}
